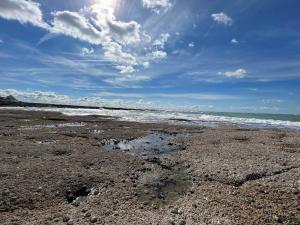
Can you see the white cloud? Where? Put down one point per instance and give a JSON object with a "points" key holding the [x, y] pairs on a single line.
{"points": [[87, 51], [120, 31], [222, 18], [161, 41], [23, 11], [234, 41], [146, 64], [1, 42], [114, 53], [97, 25], [126, 69], [36, 96], [158, 55], [158, 6], [239, 73], [77, 26], [191, 45]]}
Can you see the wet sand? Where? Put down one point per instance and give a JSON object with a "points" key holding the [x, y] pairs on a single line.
{"points": [[56, 169]]}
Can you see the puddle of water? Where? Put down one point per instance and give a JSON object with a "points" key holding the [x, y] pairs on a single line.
{"points": [[151, 145], [162, 186]]}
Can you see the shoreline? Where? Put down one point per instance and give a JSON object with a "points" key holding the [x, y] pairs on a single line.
{"points": [[136, 115], [56, 169]]}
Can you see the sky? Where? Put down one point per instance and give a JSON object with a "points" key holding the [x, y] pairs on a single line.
{"points": [[194, 55]]}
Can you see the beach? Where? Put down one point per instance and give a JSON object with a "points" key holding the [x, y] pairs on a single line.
{"points": [[92, 169]]}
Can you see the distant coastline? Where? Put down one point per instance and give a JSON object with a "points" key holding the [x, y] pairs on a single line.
{"points": [[11, 101]]}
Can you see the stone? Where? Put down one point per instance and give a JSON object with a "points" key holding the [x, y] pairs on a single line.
{"points": [[87, 214], [84, 210], [66, 218], [182, 222], [39, 189], [70, 222], [93, 219]]}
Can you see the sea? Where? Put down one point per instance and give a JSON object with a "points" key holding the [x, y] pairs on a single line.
{"points": [[209, 119]]}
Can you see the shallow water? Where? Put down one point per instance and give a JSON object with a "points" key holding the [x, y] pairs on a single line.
{"points": [[154, 144]]}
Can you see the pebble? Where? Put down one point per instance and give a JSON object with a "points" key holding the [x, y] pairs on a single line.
{"points": [[66, 218], [70, 222], [176, 211], [172, 222], [84, 210], [182, 222], [96, 192], [39, 189], [87, 214], [93, 219], [75, 203]]}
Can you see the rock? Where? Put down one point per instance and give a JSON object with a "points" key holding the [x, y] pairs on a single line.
{"points": [[6, 192], [75, 203], [176, 211], [84, 210], [39, 189], [66, 218], [87, 214], [93, 219], [182, 222], [172, 222], [96, 192], [70, 222]]}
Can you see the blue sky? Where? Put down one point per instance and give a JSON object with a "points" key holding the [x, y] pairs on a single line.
{"points": [[221, 55]]}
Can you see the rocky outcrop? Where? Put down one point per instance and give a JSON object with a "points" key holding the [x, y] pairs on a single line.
{"points": [[8, 100]]}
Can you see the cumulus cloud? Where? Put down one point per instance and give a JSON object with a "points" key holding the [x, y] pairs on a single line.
{"points": [[77, 26], [24, 11], [87, 51], [115, 53], [121, 31], [238, 74], [146, 64], [158, 55], [36, 96], [158, 6], [161, 41], [234, 41], [97, 24], [191, 45], [222, 18]]}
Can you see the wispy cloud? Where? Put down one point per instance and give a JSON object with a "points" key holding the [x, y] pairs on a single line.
{"points": [[238, 74], [158, 6], [196, 96], [222, 18]]}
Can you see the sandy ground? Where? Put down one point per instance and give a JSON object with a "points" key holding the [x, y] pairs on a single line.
{"points": [[58, 170]]}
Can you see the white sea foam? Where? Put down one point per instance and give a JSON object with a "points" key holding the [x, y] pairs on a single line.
{"points": [[149, 116]]}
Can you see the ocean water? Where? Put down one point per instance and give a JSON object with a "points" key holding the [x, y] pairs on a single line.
{"points": [[187, 118]]}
